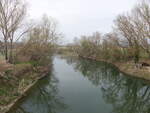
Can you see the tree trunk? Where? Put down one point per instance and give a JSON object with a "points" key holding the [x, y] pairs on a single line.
{"points": [[136, 55], [6, 50], [11, 53]]}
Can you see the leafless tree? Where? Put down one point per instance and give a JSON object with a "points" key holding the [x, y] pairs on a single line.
{"points": [[40, 40], [141, 20], [135, 28], [12, 13], [125, 25]]}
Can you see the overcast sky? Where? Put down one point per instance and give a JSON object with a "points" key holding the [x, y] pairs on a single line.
{"points": [[80, 17]]}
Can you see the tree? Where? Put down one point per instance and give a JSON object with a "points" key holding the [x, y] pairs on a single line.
{"points": [[40, 42], [127, 29], [141, 20], [135, 28], [12, 13]]}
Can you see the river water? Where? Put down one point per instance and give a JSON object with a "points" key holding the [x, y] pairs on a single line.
{"points": [[85, 86]]}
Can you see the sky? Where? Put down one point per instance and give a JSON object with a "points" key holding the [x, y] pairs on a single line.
{"points": [[80, 17]]}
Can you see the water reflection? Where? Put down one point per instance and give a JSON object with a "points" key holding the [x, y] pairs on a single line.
{"points": [[43, 98], [126, 94]]}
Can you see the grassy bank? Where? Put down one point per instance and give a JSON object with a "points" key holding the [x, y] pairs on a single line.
{"points": [[128, 68], [25, 92], [16, 79]]}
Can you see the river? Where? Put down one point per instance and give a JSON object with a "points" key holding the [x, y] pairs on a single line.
{"points": [[85, 86]]}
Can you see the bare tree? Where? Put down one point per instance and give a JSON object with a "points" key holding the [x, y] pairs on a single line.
{"points": [[135, 28], [125, 25], [12, 13], [41, 40], [141, 20]]}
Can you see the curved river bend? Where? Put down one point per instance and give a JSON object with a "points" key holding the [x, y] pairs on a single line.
{"points": [[84, 86]]}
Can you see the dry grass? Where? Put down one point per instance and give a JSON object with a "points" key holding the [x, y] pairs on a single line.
{"points": [[129, 68], [4, 66], [21, 69]]}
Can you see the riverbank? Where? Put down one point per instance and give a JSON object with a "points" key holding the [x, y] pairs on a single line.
{"points": [[16, 80], [12, 106], [125, 67], [128, 68]]}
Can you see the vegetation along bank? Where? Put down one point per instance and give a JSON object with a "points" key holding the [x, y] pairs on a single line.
{"points": [[26, 50], [127, 46]]}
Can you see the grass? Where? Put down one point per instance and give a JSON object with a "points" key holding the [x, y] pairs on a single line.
{"points": [[14, 81], [4, 66], [129, 68], [16, 78], [13, 87]]}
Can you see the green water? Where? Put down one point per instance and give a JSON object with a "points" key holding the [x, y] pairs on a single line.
{"points": [[84, 86]]}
